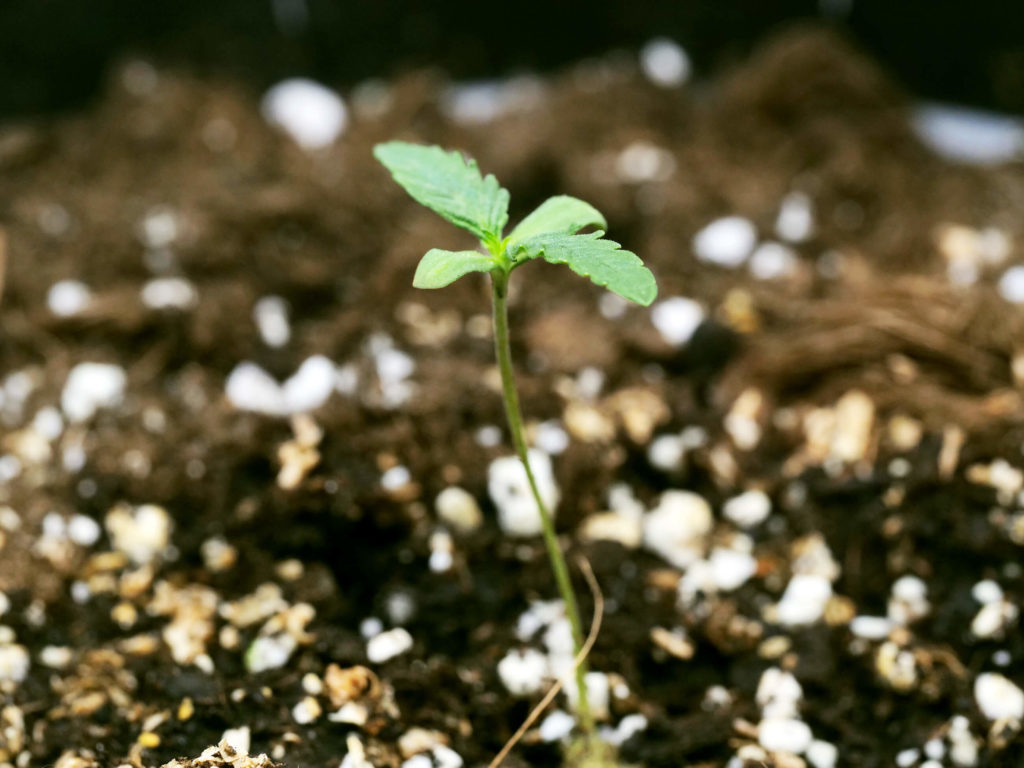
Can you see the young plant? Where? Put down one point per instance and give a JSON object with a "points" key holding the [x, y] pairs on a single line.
{"points": [[454, 188]]}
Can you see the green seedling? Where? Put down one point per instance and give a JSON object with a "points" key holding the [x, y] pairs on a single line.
{"points": [[454, 188]]}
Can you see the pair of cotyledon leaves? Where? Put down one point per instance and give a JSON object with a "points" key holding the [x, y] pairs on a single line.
{"points": [[454, 188]]}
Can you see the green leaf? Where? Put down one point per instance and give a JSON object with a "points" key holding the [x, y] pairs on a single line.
{"points": [[590, 255], [562, 214], [448, 185], [439, 268]]}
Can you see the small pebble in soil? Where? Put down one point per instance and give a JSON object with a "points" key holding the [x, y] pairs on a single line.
{"points": [[310, 386], [742, 422], [312, 114], [987, 591], [1011, 285], [675, 642], [370, 627], [142, 532], [993, 619], [239, 739], [822, 754], [400, 607], [597, 692], [1002, 658], [395, 478], [934, 749], [665, 63], [997, 697], [540, 614], [394, 367], [716, 698], [612, 306], [730, 568], [271, 317], [624, 527], [479, 103], [749, 509], [642, 161], [523, 671], [558, 640], [169, 293], [551, 438], [784, 734], [871, 627], [48, 423], [909, 600], [307, 711], [795, 222], [773, 261], [56, 656], [269, 652], [346, 379], [446, 757], [67, 298], [667, 453], [896, 666], [159, 228], [387, 645], [675, 529], [963, 747], [417, 740], [677, 318], [907, 757], [441, 552], [804, 599], [352, 713], [90, 387], [557, 726], [488, 436], [14, 663], [250, 388], [509, 489], [83, 530], [778, 693], [458, 508], [966, 135], [626, 728], [726, 242], [218, 555]]}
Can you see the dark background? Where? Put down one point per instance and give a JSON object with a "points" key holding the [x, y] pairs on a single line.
{"points": [[54, 54]]}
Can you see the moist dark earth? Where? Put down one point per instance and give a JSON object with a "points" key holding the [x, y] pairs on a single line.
{"points": [[874, 400]]}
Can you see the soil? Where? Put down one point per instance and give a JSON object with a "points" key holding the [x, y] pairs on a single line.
{"points": [[868, 334]]}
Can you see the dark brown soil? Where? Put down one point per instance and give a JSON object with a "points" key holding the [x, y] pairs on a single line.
{"points": [[333, 236]]}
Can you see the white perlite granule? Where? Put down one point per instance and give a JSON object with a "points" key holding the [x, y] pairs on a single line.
{"points": [[676, 319], [523, 672], [509, 489], [726, 242], [998, 698], [388, 645], [90, 387], [312, 114], [665, 63]]}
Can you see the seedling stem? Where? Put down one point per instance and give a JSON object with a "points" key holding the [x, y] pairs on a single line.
{"points": [[503, 352]]}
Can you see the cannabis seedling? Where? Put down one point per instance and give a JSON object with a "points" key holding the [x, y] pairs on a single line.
{"points": [[454, 188]]}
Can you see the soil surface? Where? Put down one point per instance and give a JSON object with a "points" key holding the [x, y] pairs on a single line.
{"points": [[161, 583]]}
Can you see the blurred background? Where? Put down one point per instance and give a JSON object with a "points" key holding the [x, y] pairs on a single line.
{"points": [[54, 53], [199, 246]]}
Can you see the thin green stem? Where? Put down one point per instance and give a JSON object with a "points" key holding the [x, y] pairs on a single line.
{"points": [[515, 423]]}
